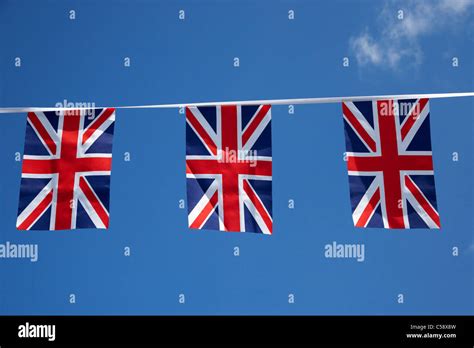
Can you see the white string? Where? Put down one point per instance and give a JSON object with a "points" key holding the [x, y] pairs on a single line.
{"points": [[246, 102]]}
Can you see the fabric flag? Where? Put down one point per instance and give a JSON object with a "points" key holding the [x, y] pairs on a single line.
{"points": [[65, 180], [229, 168], [390, 164]]}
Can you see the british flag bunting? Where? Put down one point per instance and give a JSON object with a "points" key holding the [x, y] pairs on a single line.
{"points": [[65, 180], [229, 168], [390, 166]]}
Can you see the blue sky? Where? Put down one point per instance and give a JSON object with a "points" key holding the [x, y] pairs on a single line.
{"points": [[172, 60]]}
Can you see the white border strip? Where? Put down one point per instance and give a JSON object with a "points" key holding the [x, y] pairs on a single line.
{"points": [[8, 110]]}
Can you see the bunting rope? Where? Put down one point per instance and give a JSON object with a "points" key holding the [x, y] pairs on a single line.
{"points": [[294, 101]]}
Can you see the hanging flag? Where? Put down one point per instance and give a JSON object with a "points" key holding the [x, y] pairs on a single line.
{"points": [[390, 164], [65, 180], [229, 168]]}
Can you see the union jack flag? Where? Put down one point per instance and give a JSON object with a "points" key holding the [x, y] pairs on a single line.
{"points": [[229, 168], [65, 180], [390, 164]]}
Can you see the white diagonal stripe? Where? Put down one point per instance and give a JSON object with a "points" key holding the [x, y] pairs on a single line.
{"points": [[34, 204], [365, 200], [81, 198], [362, 120], [202, 203], [418, 122], [98, 132], [258, 131]]}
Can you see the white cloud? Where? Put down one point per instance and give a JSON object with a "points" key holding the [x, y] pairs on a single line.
{"points": [[457, 6], [398, 39], [366, 49]]}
